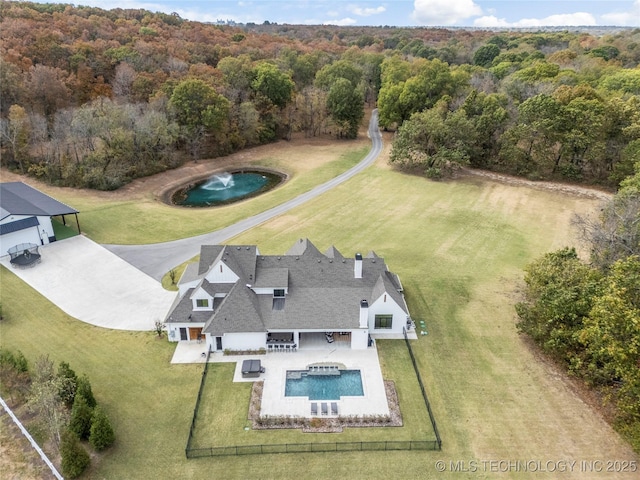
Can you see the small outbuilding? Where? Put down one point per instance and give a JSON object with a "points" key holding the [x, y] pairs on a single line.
{"points": [[25, 216]]}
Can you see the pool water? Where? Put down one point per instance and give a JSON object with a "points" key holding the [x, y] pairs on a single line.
{"points": [[323, 387]]}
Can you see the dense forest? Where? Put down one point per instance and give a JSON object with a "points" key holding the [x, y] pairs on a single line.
{"points": [[587, 315], [95, 98]]}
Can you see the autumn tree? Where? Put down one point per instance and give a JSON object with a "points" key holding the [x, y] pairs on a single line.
{"points": [[560, 291], [272, 84], [345, 105], [47, 90], [436, 141], [44, 398], [15, 131], [14, 373], [199, 110]]}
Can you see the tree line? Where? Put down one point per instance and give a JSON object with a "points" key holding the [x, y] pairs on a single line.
{"points": [[586, 315], [571, 115], [63, 408], [95, 98]]}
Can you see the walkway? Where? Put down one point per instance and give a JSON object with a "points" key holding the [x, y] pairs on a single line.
{"points": [[158, 258]]}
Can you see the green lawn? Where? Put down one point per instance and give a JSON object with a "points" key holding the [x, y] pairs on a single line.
{"points": [[459, 248], [147, 220], [222, 417]]}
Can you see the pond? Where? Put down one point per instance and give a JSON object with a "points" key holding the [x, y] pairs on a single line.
{"points": [[226, 187]]}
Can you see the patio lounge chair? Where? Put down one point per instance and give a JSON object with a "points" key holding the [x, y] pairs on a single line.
{"points": [[334, 408], [314, 408], [325, 408]]}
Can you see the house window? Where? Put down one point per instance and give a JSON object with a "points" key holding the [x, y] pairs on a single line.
{"points": [[202, 302], [384, 321], [278, 292]]}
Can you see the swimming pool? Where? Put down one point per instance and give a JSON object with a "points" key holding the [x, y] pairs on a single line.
{"points": [[300, 383]]}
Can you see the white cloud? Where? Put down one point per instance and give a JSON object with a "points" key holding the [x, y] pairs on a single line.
{"points": [[343, 22], [444, 12], [561, 20], [625, 19], [365, 12]]}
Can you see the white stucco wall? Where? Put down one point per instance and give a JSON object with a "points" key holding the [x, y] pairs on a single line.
{"points": [[385, 305], [173, 330], [359, 339], [201, 294], [243, 341], [37, 235]]}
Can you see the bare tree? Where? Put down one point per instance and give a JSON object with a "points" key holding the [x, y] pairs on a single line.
{"points": [[615, 234], [44, 398], [124, 77]]}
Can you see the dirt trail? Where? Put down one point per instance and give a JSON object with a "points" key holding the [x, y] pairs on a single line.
{"points": [[566, 188]]}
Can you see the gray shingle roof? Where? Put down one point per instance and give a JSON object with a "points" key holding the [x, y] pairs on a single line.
{"points": [[237, 313], [272, 277], [17, 198], [323, 292]]}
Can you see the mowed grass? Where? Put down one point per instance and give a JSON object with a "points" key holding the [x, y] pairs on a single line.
{"points": [[222, 416], [146, 220], [459, 248]]}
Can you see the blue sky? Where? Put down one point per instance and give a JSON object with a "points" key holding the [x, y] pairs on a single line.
{"points": [[474, 13]]}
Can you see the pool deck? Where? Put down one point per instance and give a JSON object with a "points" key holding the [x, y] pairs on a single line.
{"points": [[374, 401]]}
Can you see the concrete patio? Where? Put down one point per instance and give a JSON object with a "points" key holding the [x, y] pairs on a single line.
{"points": [[274, 402]]}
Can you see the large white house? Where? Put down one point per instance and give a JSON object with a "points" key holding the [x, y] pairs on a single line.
{"points": [[25, 216], [237, 299]]}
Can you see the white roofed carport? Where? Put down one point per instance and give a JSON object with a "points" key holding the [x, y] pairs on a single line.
{"points": [[90, 283]]}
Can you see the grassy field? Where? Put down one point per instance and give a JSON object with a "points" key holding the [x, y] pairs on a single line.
{"points": [[459, 248]]}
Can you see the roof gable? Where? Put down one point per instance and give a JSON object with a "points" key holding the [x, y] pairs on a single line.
{"points": [[237, 313], [333, 252], [304, 247]]}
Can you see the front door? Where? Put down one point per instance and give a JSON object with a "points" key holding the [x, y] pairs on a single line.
{"points": [[183, 334], [195, 333], [218, 343]]}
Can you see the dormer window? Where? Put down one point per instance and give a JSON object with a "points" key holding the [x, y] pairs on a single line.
{"points": [[278, 299], [202, 303]]}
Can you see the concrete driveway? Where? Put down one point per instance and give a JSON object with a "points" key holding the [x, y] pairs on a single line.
{"points": [[90, 283]]}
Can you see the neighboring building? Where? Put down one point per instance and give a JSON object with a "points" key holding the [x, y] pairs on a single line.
{"points": [[237, 299], [25, 215]]}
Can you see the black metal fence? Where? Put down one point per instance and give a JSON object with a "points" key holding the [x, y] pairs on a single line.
{"points": [[315, 447], [197, 407], [423, 390]]}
